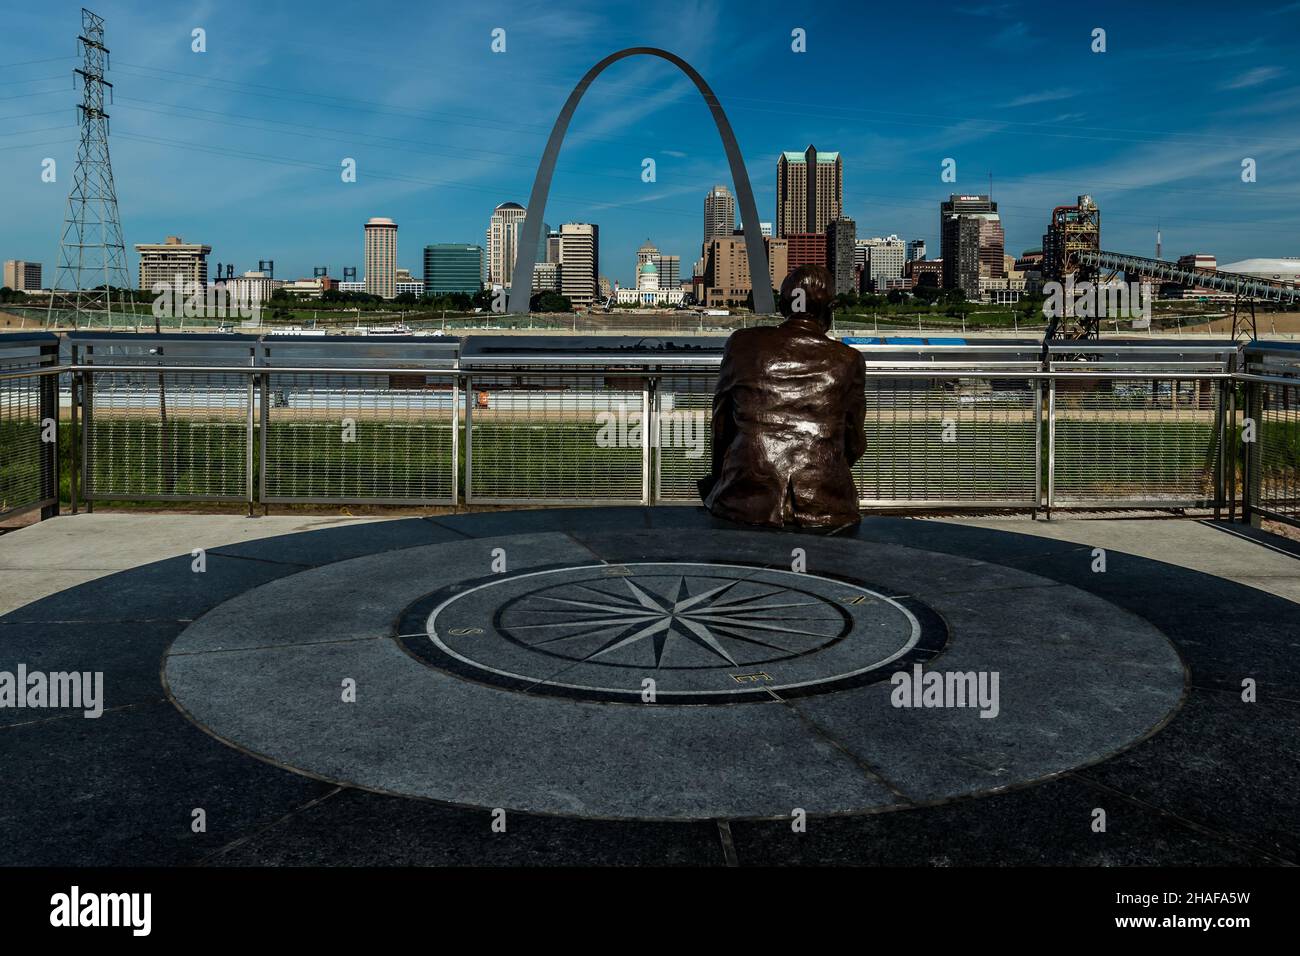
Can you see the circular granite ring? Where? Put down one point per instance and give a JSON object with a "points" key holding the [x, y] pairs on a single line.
{"points": [[415, 672]]}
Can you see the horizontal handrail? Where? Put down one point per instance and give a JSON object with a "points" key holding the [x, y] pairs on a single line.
{"points": [[921, 371]]}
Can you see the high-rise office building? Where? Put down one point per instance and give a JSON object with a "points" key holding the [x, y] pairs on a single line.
{"points": [[501, 243], [451, 268], [546, 277], [809, 191], [726, 281], [381, 257], [806, 248], [884, 261], [579, 261], [670, 271], [164, 261], [971, 242], [22, 276], [719, 213], [841, 236], [915, 249]]}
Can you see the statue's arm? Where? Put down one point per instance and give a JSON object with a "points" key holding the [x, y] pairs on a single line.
{"points": [[855, 436], [724, 422]]}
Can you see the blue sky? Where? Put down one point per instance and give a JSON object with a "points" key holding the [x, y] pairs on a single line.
{"points": [[240, 147]]}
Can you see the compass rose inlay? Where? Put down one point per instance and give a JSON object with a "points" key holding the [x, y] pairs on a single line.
{"points": [[681, 620], [696, 632]]}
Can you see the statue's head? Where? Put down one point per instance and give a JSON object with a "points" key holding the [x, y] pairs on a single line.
{"points": [[809, 292]]}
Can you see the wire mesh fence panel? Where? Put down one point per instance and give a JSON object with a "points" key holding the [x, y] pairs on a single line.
{"points": [[683, 434], [963, 441], [1275, 474], [24, 460], [571, 438], [361, 438], [1130, 441], [166, 435]]}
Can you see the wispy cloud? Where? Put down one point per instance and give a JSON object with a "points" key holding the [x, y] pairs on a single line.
{"points": [[1260, 74], [1014, 36], [1043, 96]]}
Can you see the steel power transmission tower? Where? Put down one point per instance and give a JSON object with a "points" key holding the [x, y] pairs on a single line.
{"points": [[91, 275]]}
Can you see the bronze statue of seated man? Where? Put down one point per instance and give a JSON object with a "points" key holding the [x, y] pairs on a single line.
{"points": [[788, 417]]}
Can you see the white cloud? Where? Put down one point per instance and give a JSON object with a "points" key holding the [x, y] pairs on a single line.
{"points": [[1260, 74], [1043, 96]]}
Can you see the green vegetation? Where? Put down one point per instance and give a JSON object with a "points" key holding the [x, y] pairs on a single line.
{"points": [[556, 459]]}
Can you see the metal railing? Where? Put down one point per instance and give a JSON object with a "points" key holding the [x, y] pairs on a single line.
{"points": [[1272, 412], [517, 420], [1137, 425], [29, 451]]}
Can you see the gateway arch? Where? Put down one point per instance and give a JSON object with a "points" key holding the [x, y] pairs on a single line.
{"points": [[527, 246]]}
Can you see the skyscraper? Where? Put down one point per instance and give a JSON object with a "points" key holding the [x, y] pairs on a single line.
{"points": [[841, 236], [915, 249], [381, 257], [670, 271], [502, 236], [971, 242], [885, 259], [719, 213], [22, 276], [806, 248], [164, 261], [809, 191], [452, 267], [726, 279], [579, 261]]}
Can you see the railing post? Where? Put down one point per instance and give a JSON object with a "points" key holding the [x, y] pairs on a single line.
{"points": [[648, 422], [264, 420], [74, 438], [1230, 452], [48, 386], [455, 440], [87, 423], [1251, 476], [249, 433], [1221, 432], [1038, 447], [1051, 446], [469, 440]]}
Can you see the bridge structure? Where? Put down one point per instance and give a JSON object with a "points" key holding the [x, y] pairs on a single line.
{"points": [[1245, 286], [1246, 289]]}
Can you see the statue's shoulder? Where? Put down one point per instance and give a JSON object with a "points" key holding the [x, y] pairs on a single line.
{"points": [[847, 352], [742, 337]]}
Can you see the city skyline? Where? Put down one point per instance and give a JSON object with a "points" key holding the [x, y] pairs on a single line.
{"points": [[239, 147]]}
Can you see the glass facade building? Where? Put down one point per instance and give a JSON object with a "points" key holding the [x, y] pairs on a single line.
{"points": [[452, 267]]}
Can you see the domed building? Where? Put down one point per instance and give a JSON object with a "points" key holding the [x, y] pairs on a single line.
{"points": [[647, 292], [647, 277]]}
